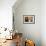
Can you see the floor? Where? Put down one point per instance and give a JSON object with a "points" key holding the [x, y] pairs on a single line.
{"points": [[9, 43], [12, 42]]}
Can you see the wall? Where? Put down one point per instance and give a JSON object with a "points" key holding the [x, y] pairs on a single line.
{"points": [[30, 31], [43, 22], [6, 13]]}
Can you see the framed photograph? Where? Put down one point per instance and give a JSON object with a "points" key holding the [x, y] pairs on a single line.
{"points": [[29, 19]]}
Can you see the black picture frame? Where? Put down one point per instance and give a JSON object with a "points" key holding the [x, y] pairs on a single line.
{"points": [[28, 19]]}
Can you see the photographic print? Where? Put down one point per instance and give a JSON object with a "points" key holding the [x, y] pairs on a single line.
{"points": [[29, 19]]}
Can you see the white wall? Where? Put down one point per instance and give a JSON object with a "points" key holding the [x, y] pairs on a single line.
{"points": [[31, 31], [43, 22], [6, 13]]}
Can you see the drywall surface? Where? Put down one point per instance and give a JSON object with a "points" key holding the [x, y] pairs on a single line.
{"points": [[6, 13], [30, 31]]}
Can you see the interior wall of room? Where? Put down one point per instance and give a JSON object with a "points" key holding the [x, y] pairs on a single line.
{"points": [[6, 18], [6, 13], [30, 31], [43, 22]]}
